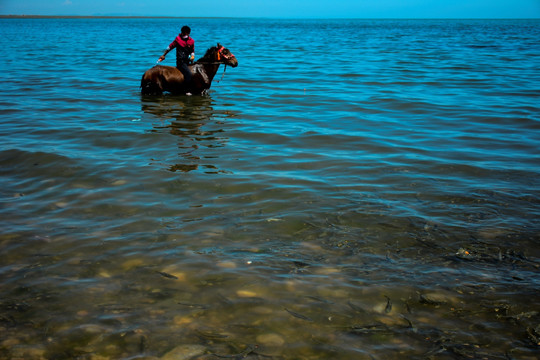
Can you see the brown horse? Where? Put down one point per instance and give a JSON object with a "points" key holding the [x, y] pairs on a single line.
{"points": [[161, 78]]}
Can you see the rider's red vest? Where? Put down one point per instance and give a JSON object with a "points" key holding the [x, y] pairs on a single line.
{"points": [[183, 49]]}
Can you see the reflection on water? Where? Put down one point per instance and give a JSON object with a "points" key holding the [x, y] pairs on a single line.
{"points": [[195, 122]]}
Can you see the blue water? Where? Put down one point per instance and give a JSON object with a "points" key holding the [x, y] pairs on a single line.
{"points": [[353, 189]]}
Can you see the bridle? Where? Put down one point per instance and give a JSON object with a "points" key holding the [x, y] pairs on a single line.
{"points": [[220, 54], [218, 62]]}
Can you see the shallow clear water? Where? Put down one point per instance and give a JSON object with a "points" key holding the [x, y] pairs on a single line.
{"points": [[353, 189]]}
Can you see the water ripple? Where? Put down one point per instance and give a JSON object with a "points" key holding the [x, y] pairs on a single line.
{"points": [[354, 193]]}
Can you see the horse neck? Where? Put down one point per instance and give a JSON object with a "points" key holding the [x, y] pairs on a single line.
{"points": [[210, 70], [209, 64]]}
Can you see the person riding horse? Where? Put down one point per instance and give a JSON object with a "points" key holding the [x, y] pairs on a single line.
{"points": [[185, 53], [162, 78]]}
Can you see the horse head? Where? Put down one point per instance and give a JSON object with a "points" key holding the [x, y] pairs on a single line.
{"points": [[224, 56]]}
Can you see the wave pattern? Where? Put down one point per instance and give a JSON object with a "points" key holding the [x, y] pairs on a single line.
{"points": [[354, 189]]}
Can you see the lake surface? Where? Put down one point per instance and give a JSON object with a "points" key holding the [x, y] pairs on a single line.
{"points": [[354, 189]]}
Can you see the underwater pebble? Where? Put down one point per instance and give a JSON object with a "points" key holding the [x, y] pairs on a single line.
{"points": [[133, 263], [28, 352], [93, 329], [326, 292], [379, 308], [213, 232], [81, 186], [270, 340], [246, 293], [291, 285], [82, 313], [99, 357], [119, 182], [436, 298], [182, 320], [327, 271], [184, 352], [227, 265], [392, 320], [312, 246], [10, 342], [491, 233], [262, 310], [104, 274]]}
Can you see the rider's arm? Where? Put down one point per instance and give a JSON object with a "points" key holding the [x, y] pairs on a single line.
{"points": [[162, 57], [169, 48]]}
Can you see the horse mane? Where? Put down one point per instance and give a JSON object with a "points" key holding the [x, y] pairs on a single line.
{"points": [[210, 54]]}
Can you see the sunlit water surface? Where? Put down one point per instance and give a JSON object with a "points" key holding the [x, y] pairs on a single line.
{"points": [[353, 190]]}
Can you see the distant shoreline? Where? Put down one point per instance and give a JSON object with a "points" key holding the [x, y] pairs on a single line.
{"points": [[102, 17], [226, 17]]}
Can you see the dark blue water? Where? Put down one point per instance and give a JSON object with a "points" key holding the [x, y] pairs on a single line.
{"points": [[354, 189]]}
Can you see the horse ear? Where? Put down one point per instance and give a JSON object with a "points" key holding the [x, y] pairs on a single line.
{"points": [[218, 45]]}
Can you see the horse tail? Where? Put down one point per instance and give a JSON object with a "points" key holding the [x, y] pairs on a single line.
{"points": [[151, 83]]}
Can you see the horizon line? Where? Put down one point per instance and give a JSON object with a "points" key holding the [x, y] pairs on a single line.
{"points": [[31, 16]]}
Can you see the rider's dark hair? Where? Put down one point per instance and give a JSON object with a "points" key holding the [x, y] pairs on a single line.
{"points": [[186, 30]]}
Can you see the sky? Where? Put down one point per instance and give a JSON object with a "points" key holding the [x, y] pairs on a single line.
{"points": [[279, 8]]}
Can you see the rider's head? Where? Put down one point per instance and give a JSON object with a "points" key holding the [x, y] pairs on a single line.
{"points": [[185, 31]]}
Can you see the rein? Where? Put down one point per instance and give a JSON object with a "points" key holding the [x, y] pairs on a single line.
{"points": [[222, 76], [213, 63]]}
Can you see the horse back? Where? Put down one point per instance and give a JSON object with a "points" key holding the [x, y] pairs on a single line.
{"points": [[161, 78]]}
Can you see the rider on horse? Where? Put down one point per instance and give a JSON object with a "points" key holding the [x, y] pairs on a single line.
{"points": [[185, 53]]}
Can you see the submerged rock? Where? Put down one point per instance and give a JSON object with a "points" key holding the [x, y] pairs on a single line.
{"points": [[184, 352], [270, 339], [436, 298], [465, 254]]}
